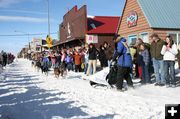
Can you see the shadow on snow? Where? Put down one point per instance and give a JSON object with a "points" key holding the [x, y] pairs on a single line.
{"points": [[36, 103]]}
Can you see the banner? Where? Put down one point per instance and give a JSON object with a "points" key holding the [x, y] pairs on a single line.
{"points": [[91, 39]]}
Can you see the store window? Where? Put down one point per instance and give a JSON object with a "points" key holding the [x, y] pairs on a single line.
{"points": [[145, 37], [132, 39], [37, 48], [176, 37]]}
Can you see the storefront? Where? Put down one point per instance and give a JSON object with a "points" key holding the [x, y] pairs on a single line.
{"points": [[78, 28], [141, 18], [73, 28]]}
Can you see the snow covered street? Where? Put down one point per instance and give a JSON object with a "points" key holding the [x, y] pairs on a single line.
{"points": [[27, 94]]}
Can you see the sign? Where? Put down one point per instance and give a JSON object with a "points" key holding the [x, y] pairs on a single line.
{"points": [[69, 30], [132, 19], [49, 41], [91, 39]]}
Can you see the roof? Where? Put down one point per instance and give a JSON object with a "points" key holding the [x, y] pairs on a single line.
{"points": [[161, 13], [102, 24]]}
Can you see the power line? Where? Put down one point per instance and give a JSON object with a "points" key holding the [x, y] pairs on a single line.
{"points": [[33, 34]]}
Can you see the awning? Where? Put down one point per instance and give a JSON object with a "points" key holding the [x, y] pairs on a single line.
{"points": [[67, 41]]}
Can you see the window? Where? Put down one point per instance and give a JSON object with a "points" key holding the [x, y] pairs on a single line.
{"points": [[174, 37], [178, 39], [37, 48], [145, 37], [132, 39], [93, 26]]}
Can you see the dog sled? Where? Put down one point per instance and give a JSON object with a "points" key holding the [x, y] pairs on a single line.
{"points": [[105, 77]]}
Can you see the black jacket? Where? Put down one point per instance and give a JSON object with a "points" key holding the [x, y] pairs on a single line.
{"points": [[92, 53]]}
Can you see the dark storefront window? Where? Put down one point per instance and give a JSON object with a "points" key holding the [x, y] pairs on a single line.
{"points": [[132, 39]]}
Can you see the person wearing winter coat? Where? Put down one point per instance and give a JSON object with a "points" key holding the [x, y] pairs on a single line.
{"points": [[124, 62], [86, 59], [4, 59], [1, 59], [138, 67], [178, 55], [144, 62], [53, 60], [77, 61], [92, 51], [58, 59], [45, 64], [69, 62], [108, 52], [169, 52], [157, 58], [102, 57]]}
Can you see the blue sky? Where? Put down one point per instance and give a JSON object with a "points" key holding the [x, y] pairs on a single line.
{"points": [[30, 16]]}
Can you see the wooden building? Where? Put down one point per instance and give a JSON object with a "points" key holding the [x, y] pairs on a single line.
{"points": [[141, 18], [78, 28], [73, 28]]}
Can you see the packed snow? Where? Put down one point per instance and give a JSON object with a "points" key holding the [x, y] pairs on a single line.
{"points": [[28, 94]]}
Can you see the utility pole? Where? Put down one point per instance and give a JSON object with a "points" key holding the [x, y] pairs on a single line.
{"points": [[48, 19]]}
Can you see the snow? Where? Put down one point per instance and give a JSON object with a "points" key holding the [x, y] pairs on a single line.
{"points": [[27, 94], [90, 16]]}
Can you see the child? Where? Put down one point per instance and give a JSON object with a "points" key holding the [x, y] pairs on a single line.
{"points": [[145, 59]]}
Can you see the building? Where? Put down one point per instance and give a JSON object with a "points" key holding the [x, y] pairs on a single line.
{"points": [[38, 45], [101, 29], [77, 28], [141, 18], [73, 28]]}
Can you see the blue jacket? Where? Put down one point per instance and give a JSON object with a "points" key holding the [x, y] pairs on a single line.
{"points": [[68, 59], [125, 59]]}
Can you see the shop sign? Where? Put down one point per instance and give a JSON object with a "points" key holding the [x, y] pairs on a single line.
{"points": [[132, 19], [91, 39]]}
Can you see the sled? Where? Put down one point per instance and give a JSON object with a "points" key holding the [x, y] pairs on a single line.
{"points": [[102, 78]]}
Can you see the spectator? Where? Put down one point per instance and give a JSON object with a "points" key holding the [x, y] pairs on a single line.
{"points": [[144, 53], [133, 52], [86, 60], [178, 55], [169, 50], [4, 59], [58, 59], [77, 61], [138, 59], [92, 58], [1, 59], [69, 62], [108, 52], [53, 60], [157, 57], [102, 57]]}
